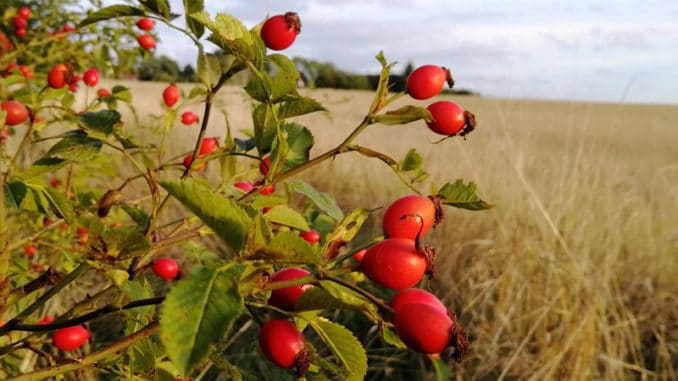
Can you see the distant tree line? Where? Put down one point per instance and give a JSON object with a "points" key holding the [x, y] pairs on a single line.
{"points": [[314, 74]]}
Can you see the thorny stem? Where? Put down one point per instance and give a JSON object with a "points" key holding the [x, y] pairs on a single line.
{"points": [[91, 360]]}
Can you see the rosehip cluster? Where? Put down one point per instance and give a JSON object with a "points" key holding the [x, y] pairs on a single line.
{"points": [[146, 40], [207, 146], [448, 117], [20, 21]]}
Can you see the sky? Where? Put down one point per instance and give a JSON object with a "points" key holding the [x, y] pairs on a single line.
{"points": [[591, 50]]}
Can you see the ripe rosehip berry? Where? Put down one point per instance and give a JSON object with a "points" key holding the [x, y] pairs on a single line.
{"points": [[394, 263], [59, 76], [359, 255], [55, 183], [103, 93], [267, 189], [448, 118], [170, 95], [188, 159], [26, 71], [24, 12], [20, 32], [312, 236], [80, 230], [189, 118], [279, 32], [283, 344], [46, 320], [19, 22], [166, 268], [145, 23], [264, 165], [244, 185], [286, 298], [146, 41], [423, 327], [70, 338], [67, 28], [409, 296], [208, 146], [427, 81], [16, 113], [73, 87], [401, 218], [29, 250], [91, 77]]}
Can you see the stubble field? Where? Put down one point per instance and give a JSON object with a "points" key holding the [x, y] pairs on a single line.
{"points": [[572, 275]]}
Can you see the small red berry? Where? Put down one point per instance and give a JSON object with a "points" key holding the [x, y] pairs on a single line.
{"points": [[402, 217], [189, 118], [188, 159], [286, 298], [16, 113], [81, 230], [20, 32], [170, 95], [279, 32], [312, 236], [29, 250], [145, 23], [59, 76], [208, 146], [448, 118], [244, 185], [394, 263], [427, 81], [264, 165], [54, 182], [46, 320], [67, 28], [20, 22], [70, 338], [25, 12], [91, 77], [407, 297], [267, 189], [166, 268], [283, 344], [423, 327], [146, 41], [103, 93]]}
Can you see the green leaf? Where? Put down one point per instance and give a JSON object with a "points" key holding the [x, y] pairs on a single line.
{"points": [[229, 27], [20, 196], [317, 299], [403, 115], [346, 296], [231, 370], [462, 196], [411, 165], [77, 147], [193, 6], [138, 215], [44, 165], [102, 121], [61, 206], [390, 337], [441, 369], [285, 82], [265, 126], [209, 69], [110, 12], [159, 7], [323, 201], [345, 347], [299, 106], [299, 143], [382, 87], [284, 215], [110, 243], [199, 311], [345, 231], [259, 88], [122, 93], [229, 219], [288, 246]]}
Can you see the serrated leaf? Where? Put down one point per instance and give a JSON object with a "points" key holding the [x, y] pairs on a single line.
{"points": [[345, 231], [198, 311], [411, 161], [138, 215], [116, 243], [102, 121], [345, 295], [265, 126], [122, 93], [345, 347], [317, 299], [229, 219], [19, 196], [209, 69], [231, 370], [229, 27], [78, 147], [324, 201], [285, 81], [284, 215], [462, 196], [44, 165], [299, 143], [60, 205], [159, 7], [193, 6], [110, 12], [390, 337], [403, 115], [259, 88], [299, 106], [288, 246]]}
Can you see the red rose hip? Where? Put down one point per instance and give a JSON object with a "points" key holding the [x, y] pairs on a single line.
{"points": [[70, 338], [145, 24], [394, 263], [286, 298], [448, 118], [282, 343], [423, 327], [146, 41], [189, 118], [91, 77], [170, 95], [402, 217], [279, 32], [16, 113], [427, 81], [166, 268]]}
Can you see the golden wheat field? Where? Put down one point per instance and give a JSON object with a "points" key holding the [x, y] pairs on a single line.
{"points": [[572, 276]]}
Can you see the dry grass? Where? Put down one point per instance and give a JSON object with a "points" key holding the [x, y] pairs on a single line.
{"points": [[571, 276]]}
